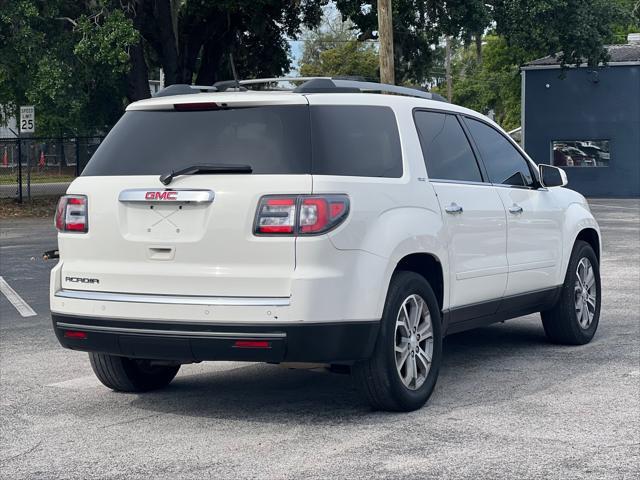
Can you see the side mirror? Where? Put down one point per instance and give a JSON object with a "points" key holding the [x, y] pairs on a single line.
{"points": [[551, 176]]}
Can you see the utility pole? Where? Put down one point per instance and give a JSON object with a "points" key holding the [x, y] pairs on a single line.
{"points": [[447, 67], [385, 34]]}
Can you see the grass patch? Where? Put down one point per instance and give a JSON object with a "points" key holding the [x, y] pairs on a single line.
{"points": [[38, 207], [36, 178]]}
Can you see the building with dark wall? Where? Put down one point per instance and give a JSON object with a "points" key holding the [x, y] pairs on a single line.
{"points": [[586, 121]]}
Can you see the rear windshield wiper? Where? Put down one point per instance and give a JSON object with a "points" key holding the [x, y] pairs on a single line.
{"points": [[195, 169]]}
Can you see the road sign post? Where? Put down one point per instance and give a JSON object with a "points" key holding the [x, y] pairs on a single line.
{"points": [[28, 126], [19, 168]]}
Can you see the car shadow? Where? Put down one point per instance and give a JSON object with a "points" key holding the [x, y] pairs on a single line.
{"points": [[480, 361]]}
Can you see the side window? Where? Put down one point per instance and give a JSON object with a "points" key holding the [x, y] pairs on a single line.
{"points": [[504, 163], [360, 141], [445, 148]]}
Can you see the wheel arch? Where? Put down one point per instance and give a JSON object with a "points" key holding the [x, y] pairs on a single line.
{"points": [[428, 266], [592, 237], [579, 224]]}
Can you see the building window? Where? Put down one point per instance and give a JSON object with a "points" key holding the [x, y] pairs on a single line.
{"points": [[580, 153]]}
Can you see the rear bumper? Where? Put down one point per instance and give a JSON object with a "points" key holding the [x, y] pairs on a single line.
{"points": [[187, 342]]}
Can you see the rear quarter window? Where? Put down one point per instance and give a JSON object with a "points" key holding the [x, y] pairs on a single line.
{"points": [[360, 141]]}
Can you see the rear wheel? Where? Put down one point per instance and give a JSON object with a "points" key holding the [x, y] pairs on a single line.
{"points": [[402, 372], [574, 319], [130, 374]]}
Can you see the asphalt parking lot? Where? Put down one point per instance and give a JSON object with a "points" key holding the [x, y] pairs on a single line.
{"points": [[507, 405]]}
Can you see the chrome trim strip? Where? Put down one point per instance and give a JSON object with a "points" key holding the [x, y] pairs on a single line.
{"points": [[482, 184], [522, 267], [460, 182], [175, 299], [485, 272], [181, 195], [171, 333]]}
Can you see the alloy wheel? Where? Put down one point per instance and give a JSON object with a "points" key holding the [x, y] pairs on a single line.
{"points": [[413, 342], [585, 293]]}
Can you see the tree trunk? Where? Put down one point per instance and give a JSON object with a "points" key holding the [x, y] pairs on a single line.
{"points": [[385, 34], [190, 48], [138, 76], [209, 71], [479, 47], [168, 42]]}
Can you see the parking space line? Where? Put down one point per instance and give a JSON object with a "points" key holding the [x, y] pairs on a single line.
{"points": [[614, 206], [16, 300], [79, 383]]}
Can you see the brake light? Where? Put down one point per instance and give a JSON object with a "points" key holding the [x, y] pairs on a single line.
{"points": [[71, 214], [191, 107], [300, 214]]}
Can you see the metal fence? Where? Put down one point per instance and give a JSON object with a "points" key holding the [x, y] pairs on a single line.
{"points": [[42, 166]]}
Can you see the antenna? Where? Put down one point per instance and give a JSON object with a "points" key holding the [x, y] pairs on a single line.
{"points": [[233, 46]]}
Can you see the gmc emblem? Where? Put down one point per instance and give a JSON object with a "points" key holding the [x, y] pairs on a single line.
{"points": [[166, 195]]}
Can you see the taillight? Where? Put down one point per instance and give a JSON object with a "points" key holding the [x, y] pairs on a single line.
{"points": [[276, 215], [322, 213], [300, 214], [71, 214]]}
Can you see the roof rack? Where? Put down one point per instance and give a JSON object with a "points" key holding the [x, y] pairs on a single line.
{"points": [[184, 89], [308, 85]]}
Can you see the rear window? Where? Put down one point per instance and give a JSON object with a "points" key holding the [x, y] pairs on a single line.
{"points": [[271, 139], [347, 140]]}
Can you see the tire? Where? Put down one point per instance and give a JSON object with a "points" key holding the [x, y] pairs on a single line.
{"points": [[378, 377], [566, 323], [131, 375]]}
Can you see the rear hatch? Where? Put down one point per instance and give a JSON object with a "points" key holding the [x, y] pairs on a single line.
{"points": [[193, 236]]}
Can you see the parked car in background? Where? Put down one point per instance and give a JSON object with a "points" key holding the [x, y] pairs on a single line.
{"points": [[578, 157], [560, 158], [596, 153]]}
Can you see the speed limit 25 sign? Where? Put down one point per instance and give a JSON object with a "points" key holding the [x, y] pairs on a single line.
{"points": [[27, 119]]}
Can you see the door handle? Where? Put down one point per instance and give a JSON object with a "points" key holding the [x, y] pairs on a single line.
{"points": [[453, 208], [515, 209]]}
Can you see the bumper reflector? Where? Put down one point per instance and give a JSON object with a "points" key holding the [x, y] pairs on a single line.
{"points": [[252, 344], [75, 334]]}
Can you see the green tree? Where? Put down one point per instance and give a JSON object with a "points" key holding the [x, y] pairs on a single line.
{"points": [[630, 22], [330, 33], [65, 59], [80, 62], [576, 30], [350, 58], [333, 50], [418, 27], [192, 40], [490, 85]]}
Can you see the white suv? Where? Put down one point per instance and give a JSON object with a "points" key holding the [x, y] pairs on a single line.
{"points": [[326, 224]]}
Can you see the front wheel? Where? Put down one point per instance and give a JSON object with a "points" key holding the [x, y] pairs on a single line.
{"points": [[402, 372], [130, 374], [574, 319]]}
